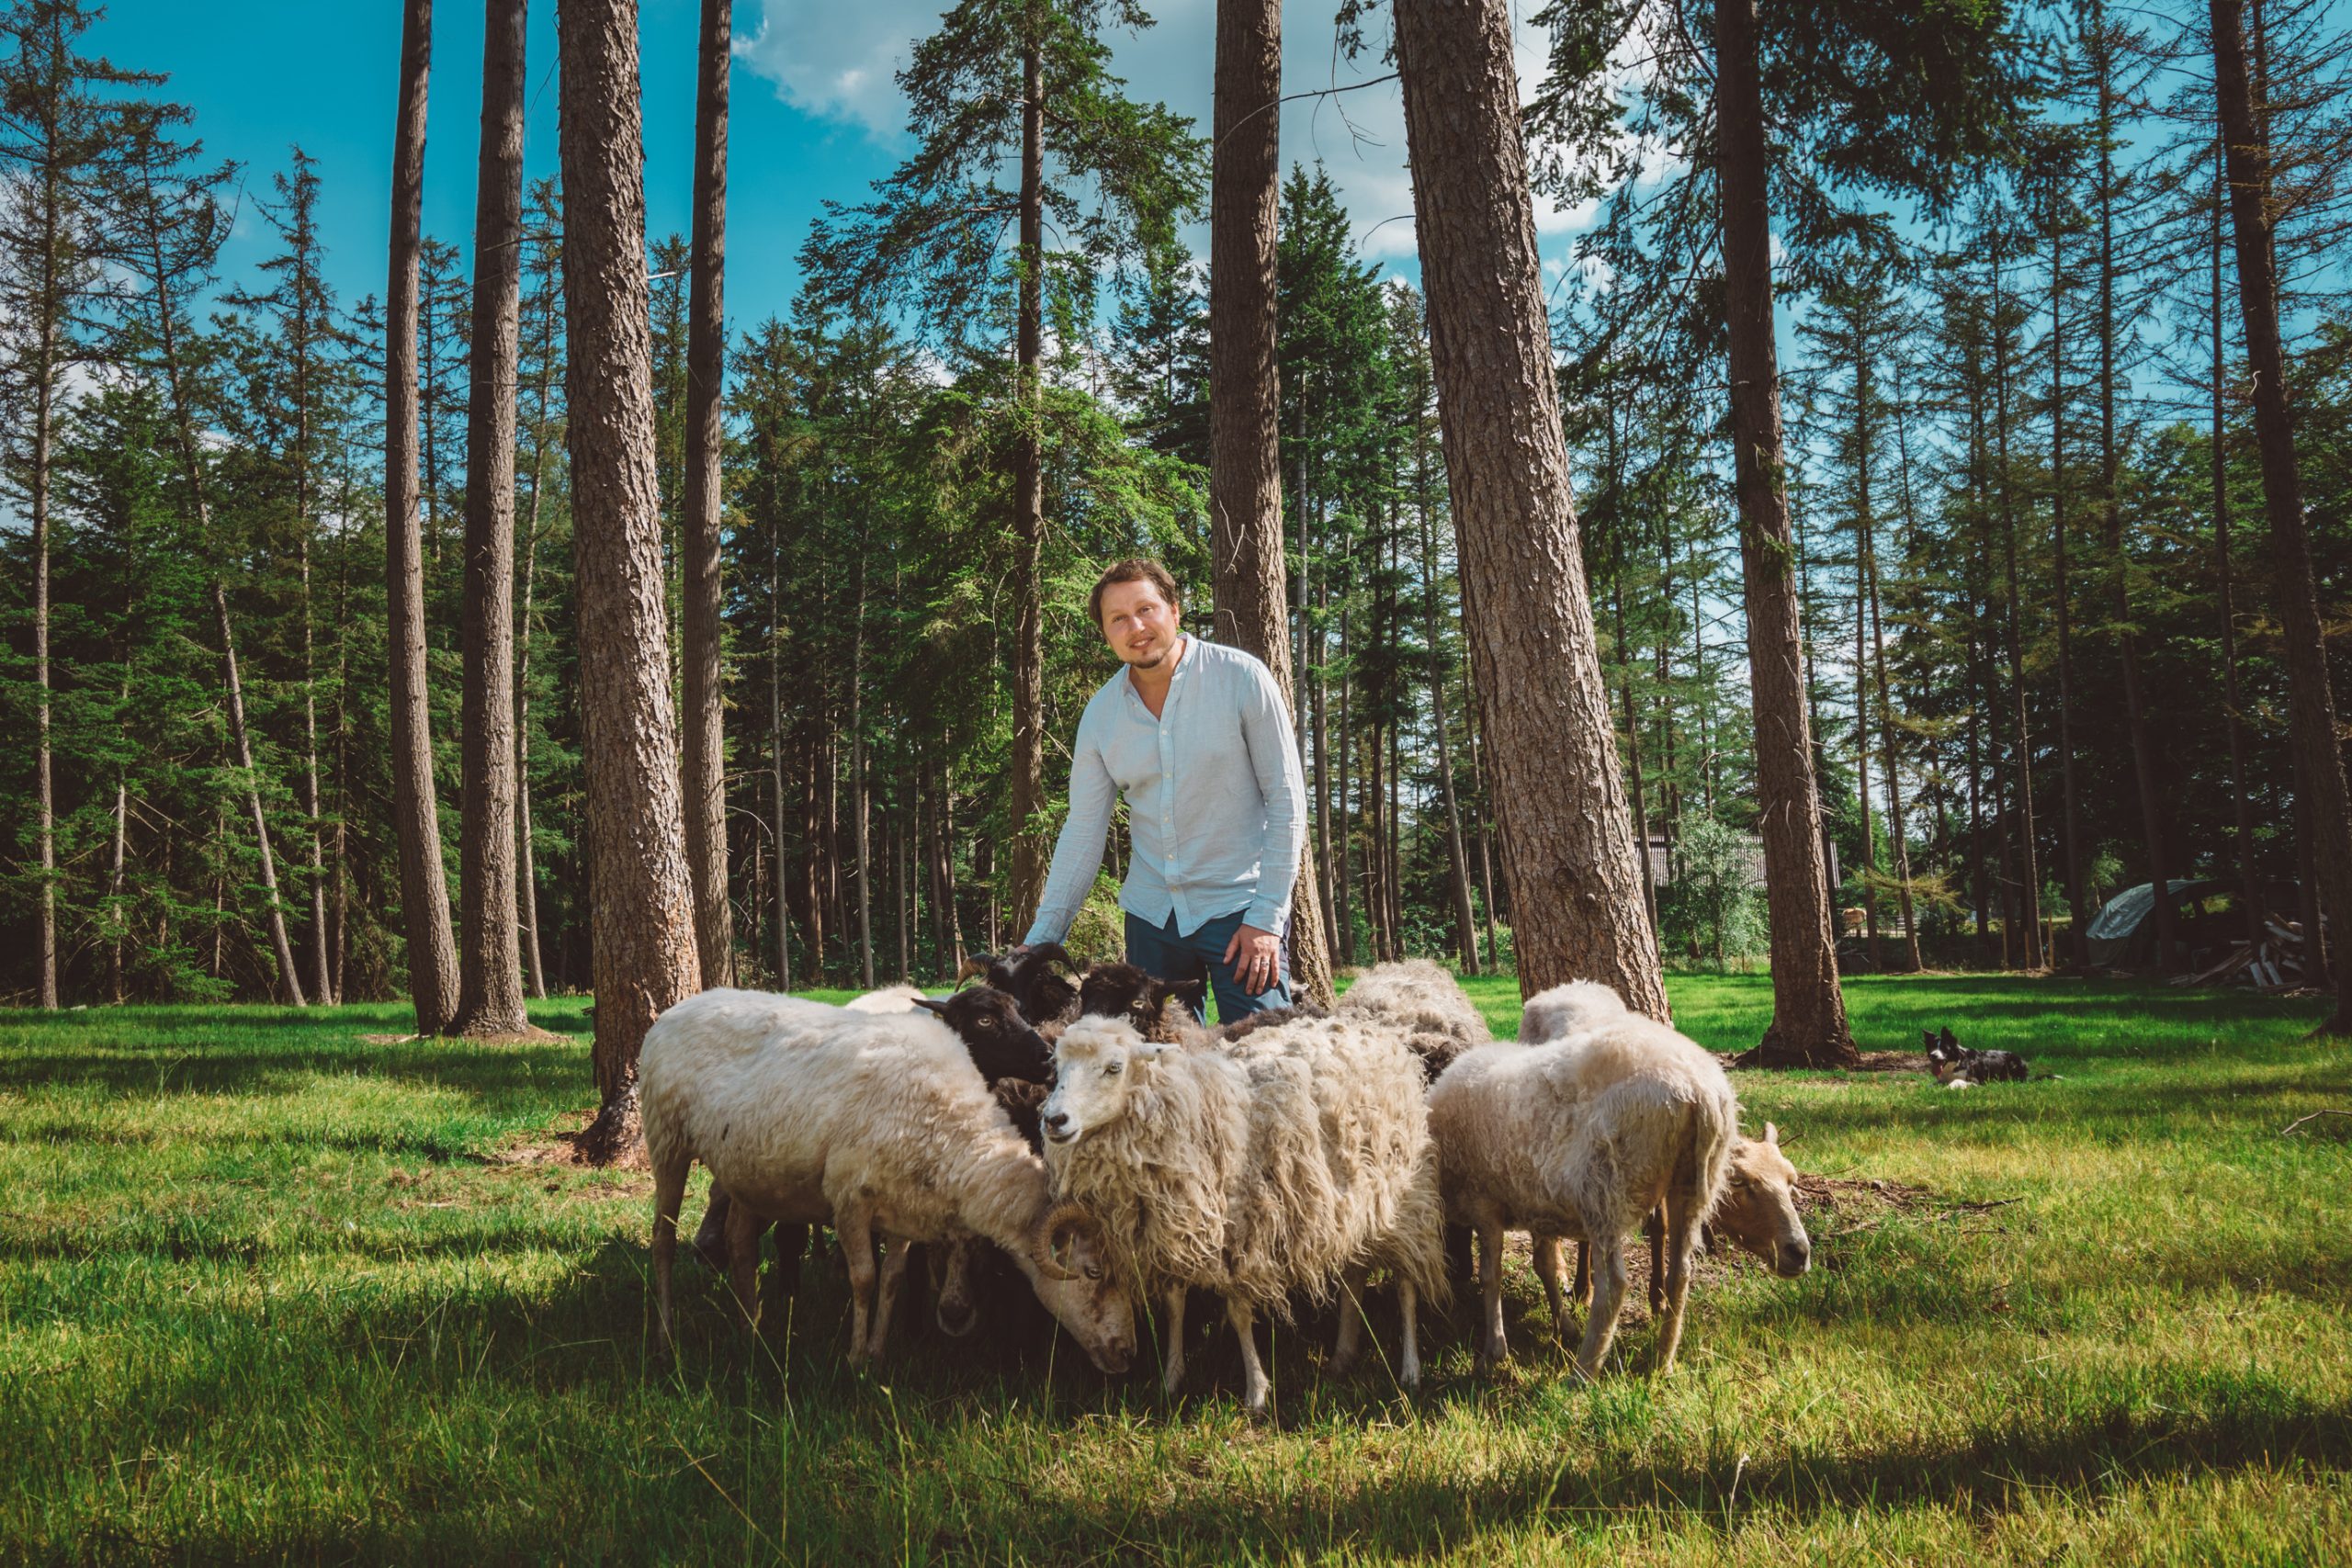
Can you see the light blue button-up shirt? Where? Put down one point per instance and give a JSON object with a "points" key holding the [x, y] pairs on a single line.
{"points": [[1217, 800]]}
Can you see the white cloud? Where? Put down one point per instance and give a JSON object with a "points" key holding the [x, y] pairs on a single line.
{"points": [[838, 61]]}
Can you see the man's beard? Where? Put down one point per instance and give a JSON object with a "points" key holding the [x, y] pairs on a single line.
{"points": [[1154, 662]]}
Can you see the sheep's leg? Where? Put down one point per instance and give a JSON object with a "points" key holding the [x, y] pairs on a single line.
{"points": [[743, 1231], [1255, 1386], [710, 1240], [669, 1191], [1678, 1237], [1584, 1275], [1493, 1349], [1171, 1377], [886, 1301], [1656, 1229], [855, 1234], [1608, 1300], [1350, 1343], [1409, 1365], [1547, 1268]]}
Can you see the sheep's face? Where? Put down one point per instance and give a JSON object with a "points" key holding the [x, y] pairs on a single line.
{"points": [[1162, 1011], [1759, 1206], [1001, 1042], [1069, 1263], [1095, 1067]]}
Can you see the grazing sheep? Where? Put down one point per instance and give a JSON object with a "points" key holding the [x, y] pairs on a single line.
{"points": [[876, 1122], [1288, 1162], [1757, 1213], [1584, 1136]]}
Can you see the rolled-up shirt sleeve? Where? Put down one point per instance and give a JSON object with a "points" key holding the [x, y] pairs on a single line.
{"points": [[1273, 755], [1078, 854]]}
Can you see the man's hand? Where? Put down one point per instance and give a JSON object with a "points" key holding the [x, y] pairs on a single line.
{"points": [[1256, 957]]}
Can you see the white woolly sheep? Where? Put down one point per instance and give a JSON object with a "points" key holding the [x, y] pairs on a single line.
{"points": [[1567, 1009], [1757, 1213], [888, 999], [1288, 1161], [1422, 1002], [1584, 1136], [876, 1122]]}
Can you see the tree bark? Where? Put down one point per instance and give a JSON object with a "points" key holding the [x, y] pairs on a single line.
{"points": [[2234, 712], [2135, 706], [1031, 854], [2322, 798], [1465, 919], [45, 808], [706, 762], [642, 923], [424, 893], [489, 991], [2079, 918], [1808, 1025], [1567, 841], [2012, 608], [1245, 455]]}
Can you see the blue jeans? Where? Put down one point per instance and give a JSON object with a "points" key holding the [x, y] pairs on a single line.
{"points": [[1158, 950]]}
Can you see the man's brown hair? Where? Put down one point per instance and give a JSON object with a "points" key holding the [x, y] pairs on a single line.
{"points": [[1134, 569]]}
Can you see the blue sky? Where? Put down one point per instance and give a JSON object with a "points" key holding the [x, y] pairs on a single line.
{"points": [[816, 115]]}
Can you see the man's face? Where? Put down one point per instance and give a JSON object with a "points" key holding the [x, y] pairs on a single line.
{"points": [[1139, 624]]}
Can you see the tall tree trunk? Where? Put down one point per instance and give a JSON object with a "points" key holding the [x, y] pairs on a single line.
{"points": [[1861, 663], [2011, 609], [1896, 832], [1466, 920], [860, 807], [1567, 841], [642, 919], [489, 992], [2135, 706], [775, 756], [424, 892], [2077, 903], [1030, 853], [706, 762], [2321, 799], [289, 976], [1245, 455], [2234, 713], [526, 876], [45, 806], [1808, 1009]]}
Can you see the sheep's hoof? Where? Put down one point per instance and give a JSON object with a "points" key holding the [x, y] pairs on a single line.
{"points": [[1259, 1414], [1340, 1367]]}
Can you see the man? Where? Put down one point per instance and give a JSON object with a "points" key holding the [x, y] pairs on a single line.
{"points": [[1197, 738]]}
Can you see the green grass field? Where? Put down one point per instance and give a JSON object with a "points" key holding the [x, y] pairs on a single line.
{"points": [[269, 1290]]}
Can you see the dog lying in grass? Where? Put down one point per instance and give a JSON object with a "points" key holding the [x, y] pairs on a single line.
{"points": [[1958, 1067]]}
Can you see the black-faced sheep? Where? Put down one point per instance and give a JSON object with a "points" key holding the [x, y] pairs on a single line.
{"points": [[877, 1124], [1287, 1162], [1026, 975], [1161, 1011], [1584, 1137]]}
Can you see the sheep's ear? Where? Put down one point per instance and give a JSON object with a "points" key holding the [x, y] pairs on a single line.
{"points": [[1771, 1134], [1189, 992], [930, 1006], [1049, 953]]}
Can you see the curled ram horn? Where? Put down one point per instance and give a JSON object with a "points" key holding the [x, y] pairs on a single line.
{"points": [[1057, 1236], [974, 964], [1049, 953]]}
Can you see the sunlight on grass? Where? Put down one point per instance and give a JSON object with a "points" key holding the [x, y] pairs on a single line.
{"points": [[264, 1292]]}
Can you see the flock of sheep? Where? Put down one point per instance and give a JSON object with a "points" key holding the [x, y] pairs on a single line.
{"points": [[1111, 1146]]}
